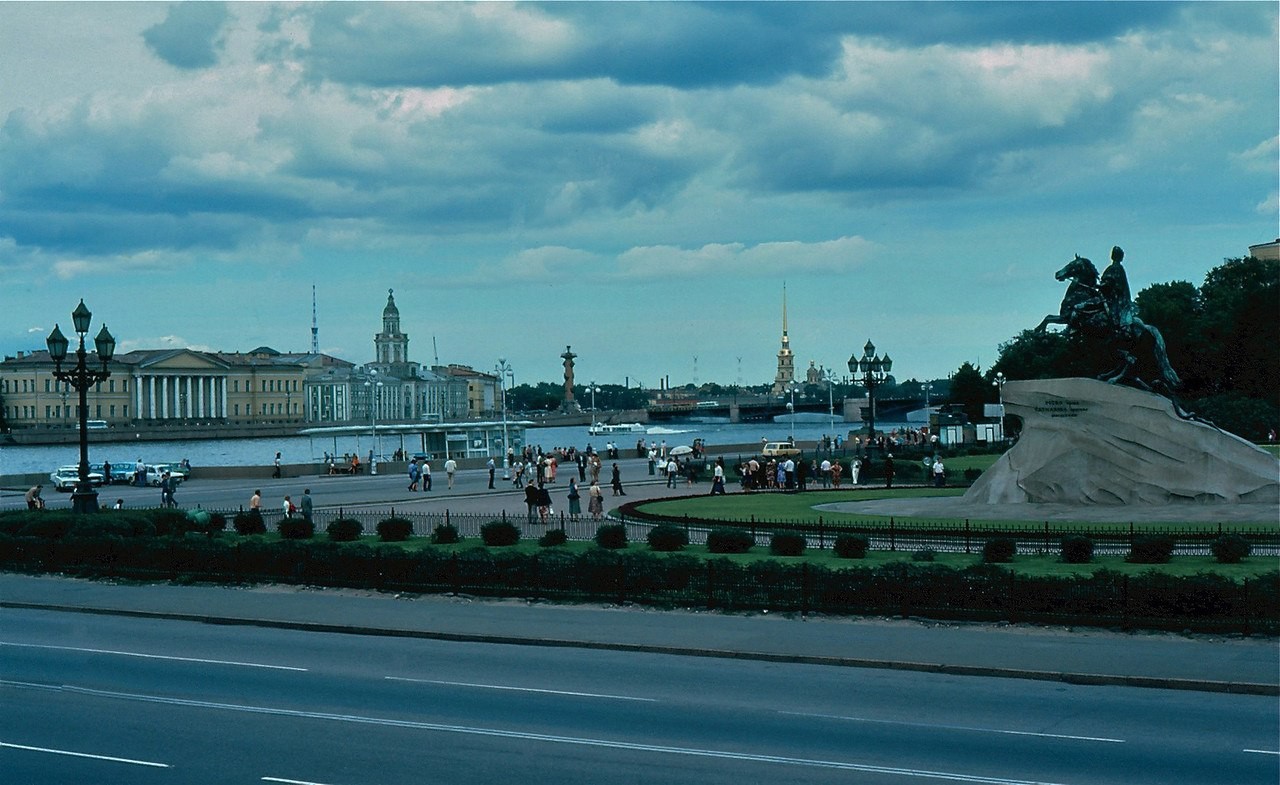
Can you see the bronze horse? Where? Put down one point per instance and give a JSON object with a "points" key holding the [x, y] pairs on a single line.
{"points": [[1138, 347]]}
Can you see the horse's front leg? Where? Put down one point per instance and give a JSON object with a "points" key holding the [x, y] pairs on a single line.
{"points": [[1050, 319]]}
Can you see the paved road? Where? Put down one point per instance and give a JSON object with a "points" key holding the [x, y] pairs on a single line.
{"points": [[107, 699]]}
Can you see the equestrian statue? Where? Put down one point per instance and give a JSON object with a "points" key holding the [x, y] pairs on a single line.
{"points": [[1099, 310]]}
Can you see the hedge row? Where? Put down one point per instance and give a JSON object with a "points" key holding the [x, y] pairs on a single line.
{"points": [[1105, 598]]}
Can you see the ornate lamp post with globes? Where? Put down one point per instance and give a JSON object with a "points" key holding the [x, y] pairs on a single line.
{"points": [[503, 370], [875, 370], [84, 498]]}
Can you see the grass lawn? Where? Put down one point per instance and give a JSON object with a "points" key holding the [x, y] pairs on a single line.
{"points": [[799, 507]]}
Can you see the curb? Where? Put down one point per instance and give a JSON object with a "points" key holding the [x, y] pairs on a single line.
{"points": [[1080, 679]]}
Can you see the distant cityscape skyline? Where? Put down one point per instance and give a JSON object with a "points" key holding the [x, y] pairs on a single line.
{"points": [[637, 180]]}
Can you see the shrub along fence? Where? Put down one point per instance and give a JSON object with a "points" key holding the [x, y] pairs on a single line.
{"points": [[133, 546]]}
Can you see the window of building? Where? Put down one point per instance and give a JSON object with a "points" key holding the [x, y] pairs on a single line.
{"points": [[46, 385], [125, 411]]}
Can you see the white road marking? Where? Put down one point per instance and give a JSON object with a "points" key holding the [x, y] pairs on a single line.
{"points": [[552, 739], [108, 758], [291, 782], [1263, 752], [521, 689], [1102, 739], [154, 656]]}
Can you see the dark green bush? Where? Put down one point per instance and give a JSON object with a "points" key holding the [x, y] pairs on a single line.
{"points": [[667, 538], [786, 544], [1151, 549], [217, 523], [552, 538], [971, 475], [729, 540], [612, 536], [499, 533], [1230, 548], [249, 522], [445, 534], [49, 527], [1077, 549], [345, 530], [103, 526], [296, 529], [999, 550], [924, 554], [395, 529], [170, 522], [851, 546]]}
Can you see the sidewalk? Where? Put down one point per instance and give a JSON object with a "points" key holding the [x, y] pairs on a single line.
{"points": [[1204, 663]]}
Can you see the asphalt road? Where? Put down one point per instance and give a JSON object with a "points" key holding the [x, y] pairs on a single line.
{"points": [[108, 699]]}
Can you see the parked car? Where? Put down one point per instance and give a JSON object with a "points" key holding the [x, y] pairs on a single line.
{"points": [[155, 472], [64, 478], [175, 470], [777, 449], [121, 473]]}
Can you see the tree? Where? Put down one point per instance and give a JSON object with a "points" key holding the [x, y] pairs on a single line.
{"points": [[971, 391]]}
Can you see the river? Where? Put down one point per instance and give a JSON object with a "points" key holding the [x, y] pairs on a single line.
{"points": [[28, 459]]}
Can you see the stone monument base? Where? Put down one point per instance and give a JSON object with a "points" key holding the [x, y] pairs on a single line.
{"points": [[1088, 442]]}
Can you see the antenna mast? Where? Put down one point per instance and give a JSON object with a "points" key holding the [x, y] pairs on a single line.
{"points": [[315, 323]]}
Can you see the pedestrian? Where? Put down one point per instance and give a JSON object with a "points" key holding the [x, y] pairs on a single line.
{"points": [[575, 504], [425, 470], [305, 504], [717, 477], [450, 468], [855, 466], [544, 504], [139, 473], [616, 481], [531, 498], [287, 507], [119, 505], [166, 491], [939, 473], [595, 501], [888, 470], [413, 475], [825, 472], [255, 502], [275, 473], [34, 502], [493, 470], [673, 471], [837, 470]]}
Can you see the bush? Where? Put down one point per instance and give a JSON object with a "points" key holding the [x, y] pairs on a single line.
{"points": [[1151, 549], [552, 538], [729, 540], [445, 534], [217, 523], [1077, 549], [851, 546], [971, 475], [345, 530], [667, 538], [296, 529], [924, 554], [612, 536], [395, 529], [786, 544], [1230, 548], [250, 522], [999, 550], [499, 533]]}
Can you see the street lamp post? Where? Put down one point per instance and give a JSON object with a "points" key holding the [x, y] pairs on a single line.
{"points": [[998, 383], [503, 370], [791, 407], [593, 389], [84, 499], [875, 370], [373, 386], [928, 390]]}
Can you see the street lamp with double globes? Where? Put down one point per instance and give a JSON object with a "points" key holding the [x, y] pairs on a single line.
{"points": [[875, 370], [84, 499], [998, 383], [374, 388], [503, 370], [593, 389], [791, 407]]}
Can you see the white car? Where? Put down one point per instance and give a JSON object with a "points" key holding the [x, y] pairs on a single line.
{"points": [[155, 473], [64, 478]]}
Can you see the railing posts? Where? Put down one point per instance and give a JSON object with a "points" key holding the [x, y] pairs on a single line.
{"points": [[966, 536], [893, 545]]}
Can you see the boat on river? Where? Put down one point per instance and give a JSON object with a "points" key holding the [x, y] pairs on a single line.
{"points": [[608, 429]]}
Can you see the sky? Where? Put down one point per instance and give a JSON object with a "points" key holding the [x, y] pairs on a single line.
{"points": [[637, 180]]}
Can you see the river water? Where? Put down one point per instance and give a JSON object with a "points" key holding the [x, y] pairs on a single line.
{"points": [[27, 459]]}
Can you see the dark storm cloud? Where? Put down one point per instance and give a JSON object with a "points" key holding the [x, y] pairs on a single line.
{"points": [[686, 45], [190, 36]]}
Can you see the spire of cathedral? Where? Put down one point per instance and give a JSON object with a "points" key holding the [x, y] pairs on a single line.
{"points": [[785, 376]]}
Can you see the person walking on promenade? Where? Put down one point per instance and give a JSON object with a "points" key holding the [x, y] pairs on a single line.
{"points": [[426, 475], [305, 504], [855, 466], [139, 473], [616, 481], [544, 504], [493, 470], [717, 478], [888, 471], [275, 472], [939, 473], [413, 475], [595, 501], [255, 502], [837, 471], [34, 502], [531, 499], [166, 491], [575, 503], [287, 507], [450, 469], [673, 471]]}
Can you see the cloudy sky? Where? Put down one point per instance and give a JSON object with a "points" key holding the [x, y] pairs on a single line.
{"points": [[637, 180]]}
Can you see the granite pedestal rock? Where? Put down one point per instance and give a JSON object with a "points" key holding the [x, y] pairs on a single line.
{"points": [[1088, 442]]}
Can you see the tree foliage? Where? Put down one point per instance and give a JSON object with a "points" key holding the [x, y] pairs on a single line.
{"points": [[971, 391]]}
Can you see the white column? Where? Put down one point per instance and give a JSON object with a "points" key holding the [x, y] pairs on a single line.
{"points": [[137, 395], [164, 397], [187, 380], [151, 397], [200, 382], [224, 396]]}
